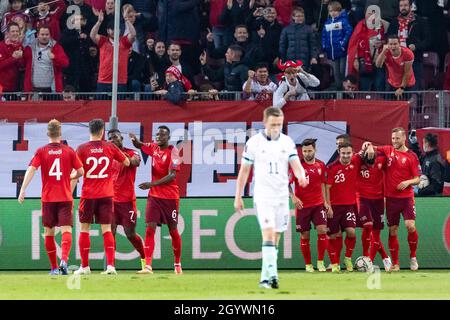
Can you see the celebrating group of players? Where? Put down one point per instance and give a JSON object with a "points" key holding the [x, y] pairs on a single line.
{"points": [[351, 191], [327, 196], [107, 196]]}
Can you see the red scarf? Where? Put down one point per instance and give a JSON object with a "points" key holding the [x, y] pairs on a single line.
{"points": [[403, 27]]}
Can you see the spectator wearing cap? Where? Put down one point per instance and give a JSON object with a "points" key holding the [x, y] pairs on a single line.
{"points": [[16, 9], [232, 74], [50, 16], [297, 41], [174, 88], [11, 59], [105, 44], [44, 61], [293, 84]]}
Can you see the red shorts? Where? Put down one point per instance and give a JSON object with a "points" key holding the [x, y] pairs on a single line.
{"points": [[371, 210], [395, 206], [102, 209], [125, 214], [161, 211], [57, 214], [303, 217], [344, 216]]}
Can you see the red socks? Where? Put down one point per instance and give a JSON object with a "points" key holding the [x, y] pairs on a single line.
{"points": [[109, 246], [393, 248], [338, 248], [366, 237], [50, 246], [413, 238], [149, 245], [322, 244], [176, 245], [349, 246], [306, 250], [84, 242], [138, 245], [66, 245], [332, 250]]}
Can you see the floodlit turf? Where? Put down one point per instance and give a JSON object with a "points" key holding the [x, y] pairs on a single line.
{"points": [[424, 284]]}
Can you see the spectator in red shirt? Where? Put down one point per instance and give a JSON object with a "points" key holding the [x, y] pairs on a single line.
{"points": [[398, 61], [105, 45], [11, 58]]}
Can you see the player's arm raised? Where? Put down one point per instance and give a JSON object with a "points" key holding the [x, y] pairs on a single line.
{"points": [[136, 142], [26, 181], [244, 172], [166, 179]]}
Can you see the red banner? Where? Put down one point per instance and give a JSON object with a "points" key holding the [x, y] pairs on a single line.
{"points": [[367, 120], [362, 119]]}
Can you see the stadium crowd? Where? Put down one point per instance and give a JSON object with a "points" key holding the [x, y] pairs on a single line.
{"points": [[186, 46]]}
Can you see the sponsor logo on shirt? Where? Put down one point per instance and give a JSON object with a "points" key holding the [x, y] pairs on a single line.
{"points": [[55, 152]]}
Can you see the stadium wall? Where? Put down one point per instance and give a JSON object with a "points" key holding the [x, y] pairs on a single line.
{"points": [[214, 237]]}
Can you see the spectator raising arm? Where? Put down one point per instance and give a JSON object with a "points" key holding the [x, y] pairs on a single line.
{"points": [[381, 57], [126, 17], [95, 37]]}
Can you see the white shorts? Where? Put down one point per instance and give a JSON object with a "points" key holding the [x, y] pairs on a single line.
{"points": [[273, 214]]}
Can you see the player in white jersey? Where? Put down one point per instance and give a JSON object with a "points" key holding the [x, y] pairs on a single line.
{"points": [[270, 152]]}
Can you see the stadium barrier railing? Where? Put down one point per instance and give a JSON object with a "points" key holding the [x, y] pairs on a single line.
{"points": [[427, 108]]}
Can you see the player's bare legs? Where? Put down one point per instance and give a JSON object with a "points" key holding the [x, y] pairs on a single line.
{"points": [[322, 244], [84, 243], [306, 250], [50, 247], [269, 272], [413, 239], [376, 245], [332, 252], [394, 247], [66, 245], [350, 241], [366, 238], [110, 248], [149, 247], [135, 240], [176, 246]]}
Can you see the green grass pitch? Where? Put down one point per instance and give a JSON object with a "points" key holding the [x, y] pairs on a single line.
{"points": [[230, 285]]}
